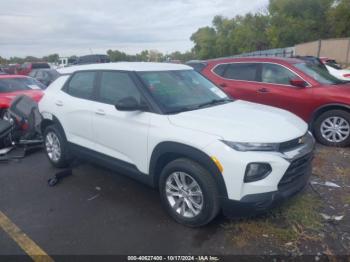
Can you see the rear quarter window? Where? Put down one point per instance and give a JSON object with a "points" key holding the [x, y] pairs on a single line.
{"points": [[81, 85], [220, 69]]}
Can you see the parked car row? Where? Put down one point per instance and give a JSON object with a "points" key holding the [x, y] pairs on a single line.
{"points": [[298, 86]]}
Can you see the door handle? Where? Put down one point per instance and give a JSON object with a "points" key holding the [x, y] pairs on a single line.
{"points": [[100, 112], [59, 103], [223, 85], [263, 90]]}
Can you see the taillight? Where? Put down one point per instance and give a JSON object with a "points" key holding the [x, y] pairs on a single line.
{"points": [[346, 75]]}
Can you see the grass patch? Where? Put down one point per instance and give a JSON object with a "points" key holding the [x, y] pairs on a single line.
{"points": [[296, 220], [346, 199]]}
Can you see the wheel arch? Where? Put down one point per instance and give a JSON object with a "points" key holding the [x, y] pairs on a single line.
{"points": [[165, 152], [322, 109], [47, 122]]}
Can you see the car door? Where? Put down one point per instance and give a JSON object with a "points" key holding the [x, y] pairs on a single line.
{"points": [[278, 91], [120, 134], [239, 79], [74, 108]]}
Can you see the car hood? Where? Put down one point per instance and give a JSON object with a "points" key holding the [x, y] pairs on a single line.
{"points": [[242, 121], [6, 98]]}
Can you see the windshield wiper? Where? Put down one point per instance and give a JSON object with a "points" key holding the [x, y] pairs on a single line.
{"points": [[190, 108], [215, 102]]}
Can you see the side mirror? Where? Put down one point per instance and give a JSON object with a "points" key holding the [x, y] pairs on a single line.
{"points": [[299, 83], [130, 104]]}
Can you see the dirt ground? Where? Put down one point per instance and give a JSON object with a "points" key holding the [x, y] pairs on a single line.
{"points": [[98, 212]]}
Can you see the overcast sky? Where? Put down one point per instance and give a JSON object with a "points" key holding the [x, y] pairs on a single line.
{"points": [[67, 27]]}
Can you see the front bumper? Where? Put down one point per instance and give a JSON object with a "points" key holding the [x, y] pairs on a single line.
{"points": [[294, 180], [256, 204]]}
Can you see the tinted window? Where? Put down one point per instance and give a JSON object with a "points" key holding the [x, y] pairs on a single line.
{"points": [[276, 74], [33, 73], [40, 74], [220, 69], [116, 86], [82, 84], [242, 71]]}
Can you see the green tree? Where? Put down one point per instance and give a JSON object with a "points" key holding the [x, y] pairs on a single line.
{"points": [[53, 58], [116, 56], [250, 33], [339, 19], [297, 21], [204, 40], [3, 61]]}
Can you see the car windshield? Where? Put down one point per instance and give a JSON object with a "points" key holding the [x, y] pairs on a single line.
{"points": [[19, 84], [182, 90], [320, 75]]}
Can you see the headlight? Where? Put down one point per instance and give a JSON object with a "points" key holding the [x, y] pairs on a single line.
{"points": [[252, 146]]}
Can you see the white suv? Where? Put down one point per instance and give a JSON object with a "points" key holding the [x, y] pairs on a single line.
{"points": [[169, 127]]}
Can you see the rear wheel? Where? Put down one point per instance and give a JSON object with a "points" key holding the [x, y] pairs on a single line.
{"points": [[332, 128], [189, 193], [56, 147]]}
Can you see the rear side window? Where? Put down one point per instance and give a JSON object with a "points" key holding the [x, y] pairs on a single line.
{"points": [[276, 74], [242, 71], [116, 86], [220, 69], [81, 85]]}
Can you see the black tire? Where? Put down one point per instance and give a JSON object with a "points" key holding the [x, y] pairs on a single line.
{"points": [[207, 184], [65, 158], [318, 123]]}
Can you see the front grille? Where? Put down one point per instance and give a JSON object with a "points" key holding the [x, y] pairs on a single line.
{"points": [[291, 144], [297, 169]]}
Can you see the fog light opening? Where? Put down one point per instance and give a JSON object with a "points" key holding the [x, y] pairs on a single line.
{"points": [[257, 171]]}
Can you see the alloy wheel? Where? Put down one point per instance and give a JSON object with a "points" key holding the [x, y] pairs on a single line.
{"points": [[184, 194], [335, 129], [53, 147]]}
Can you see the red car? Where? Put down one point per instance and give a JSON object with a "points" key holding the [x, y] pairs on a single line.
{"points": [[14, 85], [27, 67], [292, 84]]}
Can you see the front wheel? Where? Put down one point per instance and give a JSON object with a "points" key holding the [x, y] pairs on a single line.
{"points": [[56, 147], [332, 128], [189, 193]]}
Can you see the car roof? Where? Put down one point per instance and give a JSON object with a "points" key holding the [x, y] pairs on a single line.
{"points": [[126, 66], [256, 59], [12, 76]]}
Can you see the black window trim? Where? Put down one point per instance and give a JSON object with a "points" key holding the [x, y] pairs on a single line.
{"points": [[256, 62], [152, 105]]}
